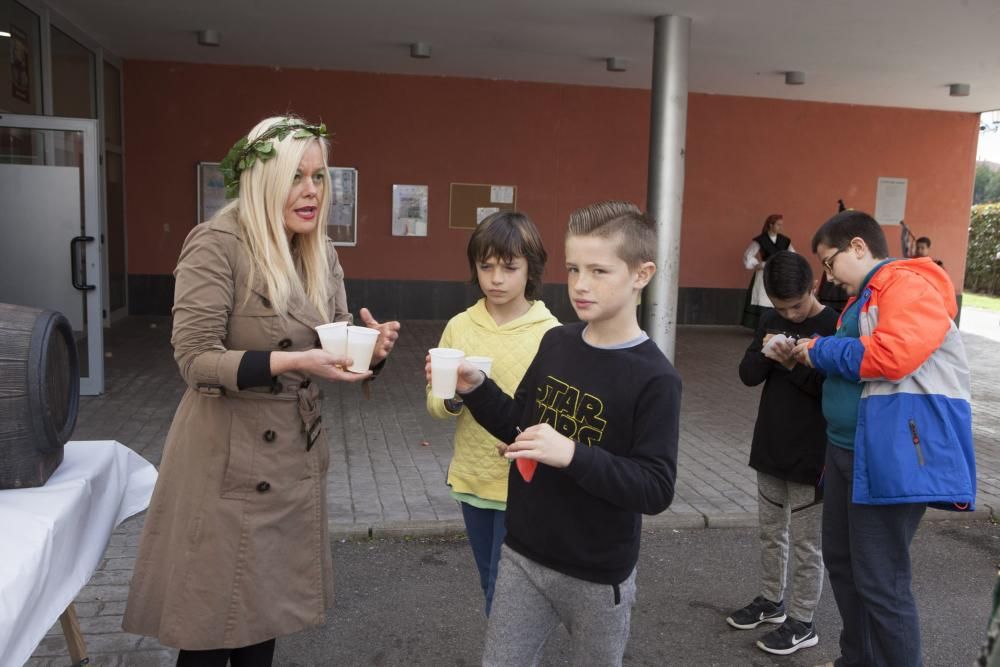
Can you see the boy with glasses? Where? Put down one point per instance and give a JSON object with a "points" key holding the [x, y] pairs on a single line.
{"points": [[896, 402]]}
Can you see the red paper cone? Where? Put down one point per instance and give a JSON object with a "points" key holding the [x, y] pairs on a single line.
{"points": [[527, 468]]}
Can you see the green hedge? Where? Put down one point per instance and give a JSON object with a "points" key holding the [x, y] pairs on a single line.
{"points": [[982, 268]]}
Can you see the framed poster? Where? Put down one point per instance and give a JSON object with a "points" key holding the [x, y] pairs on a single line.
{"points": [[342, 223], [409, 210], [20, 65], [211, 190]]}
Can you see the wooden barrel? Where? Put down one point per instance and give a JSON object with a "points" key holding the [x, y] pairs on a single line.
{"points": [[39, 393]]}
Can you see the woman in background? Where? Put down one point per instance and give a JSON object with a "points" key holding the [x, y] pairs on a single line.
{"points": [[761, 248]]}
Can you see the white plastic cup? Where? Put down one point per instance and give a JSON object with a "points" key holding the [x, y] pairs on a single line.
{"points": [[485, 364], [360, 347], [333, 338], [444, 371]]}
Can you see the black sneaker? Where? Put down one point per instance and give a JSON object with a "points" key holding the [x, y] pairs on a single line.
{"points": [[761, 610], [789, 638]]}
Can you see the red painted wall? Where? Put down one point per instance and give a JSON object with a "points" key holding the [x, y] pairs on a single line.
{"points": [[748, 157], [563, 146]]}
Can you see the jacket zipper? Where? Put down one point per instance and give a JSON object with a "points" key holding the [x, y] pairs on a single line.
{"points": [[916, 442]]}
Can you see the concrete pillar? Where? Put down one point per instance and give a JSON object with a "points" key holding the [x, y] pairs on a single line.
{"points": [[665, 198]]}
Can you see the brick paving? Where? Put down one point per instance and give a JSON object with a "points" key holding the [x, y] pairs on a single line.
{"points": [[389, 458]]}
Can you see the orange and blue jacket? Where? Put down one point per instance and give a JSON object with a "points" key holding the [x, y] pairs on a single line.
{"points": [[913, 442]]}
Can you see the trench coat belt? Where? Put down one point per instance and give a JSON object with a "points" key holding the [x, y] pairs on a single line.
{"points": [[306, 394]]}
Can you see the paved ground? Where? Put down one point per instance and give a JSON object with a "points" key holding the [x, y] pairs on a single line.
{"points": [[389, 459], [981, 322], [417, 602]]}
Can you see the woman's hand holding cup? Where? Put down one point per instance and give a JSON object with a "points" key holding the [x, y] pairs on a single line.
{"points": [[316, 363]]}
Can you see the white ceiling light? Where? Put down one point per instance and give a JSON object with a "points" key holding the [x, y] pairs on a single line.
{"points": [[420, 50], [209, 37], [959, 89], [795, 78], [617, 64]]}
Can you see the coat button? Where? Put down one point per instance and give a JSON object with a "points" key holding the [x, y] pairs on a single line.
{"points": [[269, 435], [285, 343], [265, 301], [263, 487]]}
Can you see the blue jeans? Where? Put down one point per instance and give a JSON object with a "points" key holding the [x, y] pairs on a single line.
{"points": [[486, 531], [866, 549]]}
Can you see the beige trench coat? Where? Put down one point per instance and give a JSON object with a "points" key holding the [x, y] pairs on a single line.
{"points": [[235, 548]]}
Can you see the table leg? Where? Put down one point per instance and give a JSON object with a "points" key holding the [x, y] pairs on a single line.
{"points": [[74, 640]]}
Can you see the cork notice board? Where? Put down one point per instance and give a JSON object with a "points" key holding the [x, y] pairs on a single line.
{"points": [[470, 203]]}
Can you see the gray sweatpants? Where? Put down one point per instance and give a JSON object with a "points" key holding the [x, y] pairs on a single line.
{"points": [[531, 600], [784, 507]]}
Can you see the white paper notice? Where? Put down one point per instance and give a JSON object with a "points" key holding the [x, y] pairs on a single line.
{"points": [[483, 212], [409, 210], [502, 194], [890, 201]]}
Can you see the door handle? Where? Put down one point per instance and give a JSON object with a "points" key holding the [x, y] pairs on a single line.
{"points": [[78, 267]]}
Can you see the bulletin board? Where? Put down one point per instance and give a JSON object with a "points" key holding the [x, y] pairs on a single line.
{"points": [[470, 203]]}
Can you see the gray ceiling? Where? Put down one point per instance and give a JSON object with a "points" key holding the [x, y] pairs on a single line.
{"points": [[882, 52]]}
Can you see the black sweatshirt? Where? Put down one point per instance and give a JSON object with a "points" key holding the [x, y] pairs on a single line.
{"points": [[622, 408], [789, 438]]}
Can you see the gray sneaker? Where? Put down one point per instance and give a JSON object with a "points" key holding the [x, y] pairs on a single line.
{"points": [[789, 638], [761, 610]]}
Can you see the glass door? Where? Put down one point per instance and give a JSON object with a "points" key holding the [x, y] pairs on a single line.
{"points": [[50, 226]]}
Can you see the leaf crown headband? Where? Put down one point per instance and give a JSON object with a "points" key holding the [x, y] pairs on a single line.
{"points": [[244, 152]]}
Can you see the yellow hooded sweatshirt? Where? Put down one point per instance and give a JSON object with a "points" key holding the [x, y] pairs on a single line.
{"points": [[476, 469]]}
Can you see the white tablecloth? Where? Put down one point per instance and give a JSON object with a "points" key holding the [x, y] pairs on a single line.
{"points": [[54, 536]]}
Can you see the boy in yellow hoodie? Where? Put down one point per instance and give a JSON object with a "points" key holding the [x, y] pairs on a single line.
{"points": [[507, 260]]}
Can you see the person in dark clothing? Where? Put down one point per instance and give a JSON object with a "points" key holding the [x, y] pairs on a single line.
{"points": [[593, 428], [762, 248], [831, 294], [789, 443], [923, 249]]}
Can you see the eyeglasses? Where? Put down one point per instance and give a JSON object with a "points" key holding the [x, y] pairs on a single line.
{"points": [[828, 262]]}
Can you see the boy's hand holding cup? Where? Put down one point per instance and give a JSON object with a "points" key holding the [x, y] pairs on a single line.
{"points": [[779, 348], [448, 372], [485, 364]]}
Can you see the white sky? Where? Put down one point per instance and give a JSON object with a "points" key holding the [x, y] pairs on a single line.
{"points": [[989, 142]]}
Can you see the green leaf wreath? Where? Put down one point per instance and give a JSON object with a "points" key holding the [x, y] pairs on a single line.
{"points": [[244, 153]]}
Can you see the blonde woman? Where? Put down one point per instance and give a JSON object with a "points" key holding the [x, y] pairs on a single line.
{"points": [[234, 550]]}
